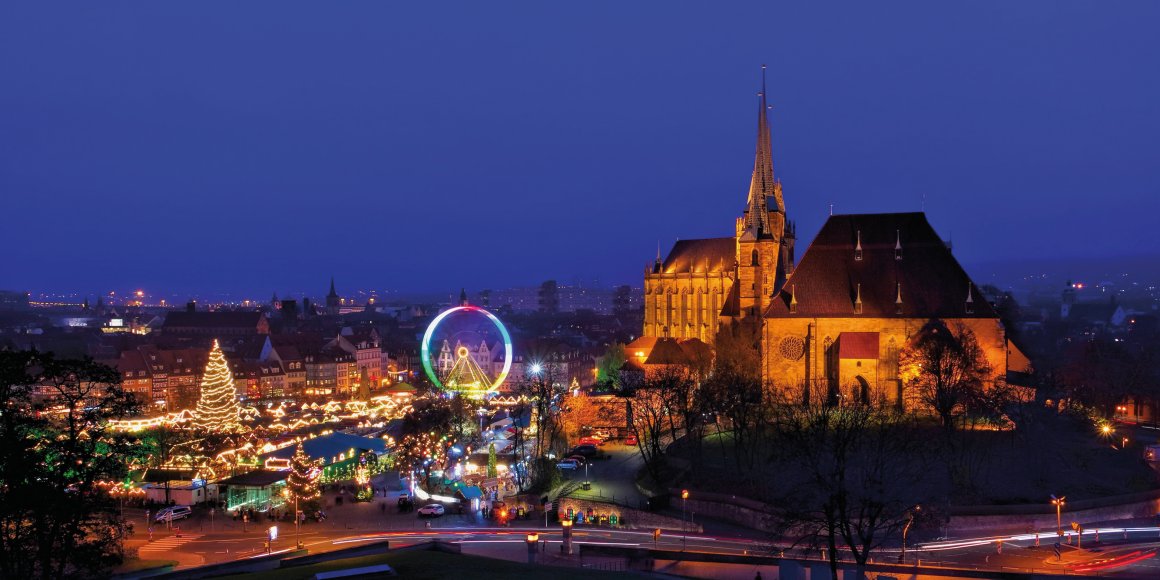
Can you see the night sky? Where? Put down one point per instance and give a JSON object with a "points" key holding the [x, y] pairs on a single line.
{"points": [[264, 146]]}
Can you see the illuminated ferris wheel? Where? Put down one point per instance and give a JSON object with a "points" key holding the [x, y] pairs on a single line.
{"points": [[459, 370]]}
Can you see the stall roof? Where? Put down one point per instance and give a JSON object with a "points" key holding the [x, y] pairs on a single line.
{"points": [[330, 445], [257, 478], [470, 492]]}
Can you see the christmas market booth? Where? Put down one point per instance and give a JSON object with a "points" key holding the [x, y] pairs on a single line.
{"points": [[259, 490], [173, 486], [338, 455]]}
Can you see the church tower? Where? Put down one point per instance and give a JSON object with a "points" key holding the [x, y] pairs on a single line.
{"points": [[761, 231], [332, 299], [703, 284]]}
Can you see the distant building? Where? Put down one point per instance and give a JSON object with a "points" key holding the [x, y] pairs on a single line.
{"points": [[333, 302], [568, 298], [13, 301], [220, 324]]}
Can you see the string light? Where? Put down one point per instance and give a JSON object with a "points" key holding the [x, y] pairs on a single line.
{"points": [[217, 408]]}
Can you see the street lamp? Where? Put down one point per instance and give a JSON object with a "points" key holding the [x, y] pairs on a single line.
{"points": [[905, 529], [297, 520], [684, 528], [1058, 503]]}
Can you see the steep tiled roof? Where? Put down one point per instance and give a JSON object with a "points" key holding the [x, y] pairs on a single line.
{"points": [[225, 319], [829, 278], [707, 255]]}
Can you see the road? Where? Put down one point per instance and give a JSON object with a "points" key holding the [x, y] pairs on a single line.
{"points": [[612, 479], [1132, 557]]}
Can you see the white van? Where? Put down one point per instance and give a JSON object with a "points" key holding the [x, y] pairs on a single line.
{"points": [[173, 513]]}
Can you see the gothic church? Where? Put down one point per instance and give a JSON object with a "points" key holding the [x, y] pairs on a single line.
{"points": [[705, 283]]}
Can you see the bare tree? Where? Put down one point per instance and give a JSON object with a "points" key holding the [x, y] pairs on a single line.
{"points": [[848, 476], [735, 396], [945, 371], [544, 390]]}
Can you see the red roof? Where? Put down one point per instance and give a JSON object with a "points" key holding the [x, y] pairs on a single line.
{"points": [[706, 255], [858, 345], [830, 279]]}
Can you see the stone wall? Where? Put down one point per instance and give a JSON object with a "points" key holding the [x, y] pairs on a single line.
{"points": [[964, 520], [1025, 518], [730, 508]]}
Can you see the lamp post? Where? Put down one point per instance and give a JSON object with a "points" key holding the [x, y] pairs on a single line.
{"points": [[684, 528], [1058, 503], [905, 529], [297, 520]]}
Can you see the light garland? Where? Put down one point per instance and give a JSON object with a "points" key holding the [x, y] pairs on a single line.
{"points": [[217, 408]]}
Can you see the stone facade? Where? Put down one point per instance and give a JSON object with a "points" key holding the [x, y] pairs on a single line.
{"points": [[865, 287]]}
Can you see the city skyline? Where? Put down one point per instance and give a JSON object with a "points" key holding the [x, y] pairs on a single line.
{"points": [[220, 168]]}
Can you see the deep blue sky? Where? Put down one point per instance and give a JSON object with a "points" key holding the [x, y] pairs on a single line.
{"points": [[419, 145]]}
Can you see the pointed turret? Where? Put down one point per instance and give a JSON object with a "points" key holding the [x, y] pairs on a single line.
{"points": [[763, 185], [332, 300], [462, 297]]}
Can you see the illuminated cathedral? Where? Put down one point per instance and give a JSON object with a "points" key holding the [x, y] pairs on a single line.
{"points": [[703, 284], [834, 325]]}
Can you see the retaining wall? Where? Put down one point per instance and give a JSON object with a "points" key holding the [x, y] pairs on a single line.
{"points": [[632, 518], [753, 514]]}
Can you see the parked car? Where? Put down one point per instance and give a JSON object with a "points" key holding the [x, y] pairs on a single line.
{"points": [[568, 464], [603, 434], [591, 440], [630, 439], [173, 513], [432, 510], [579, 459], [586, 450]]}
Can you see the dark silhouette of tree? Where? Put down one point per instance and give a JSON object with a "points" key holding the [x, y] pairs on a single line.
{"points": [[734, 394], [55, 522], [944, 371], [852, 475]]}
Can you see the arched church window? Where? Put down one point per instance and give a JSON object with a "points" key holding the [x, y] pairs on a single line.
{"points": [[754, 263]]}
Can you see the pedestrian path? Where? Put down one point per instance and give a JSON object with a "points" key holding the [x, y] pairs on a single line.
{"points": [[169, 543]]}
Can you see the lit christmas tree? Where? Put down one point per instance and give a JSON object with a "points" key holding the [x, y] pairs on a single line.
{"points": [[302, 483], [491, 468], [217, 408]]}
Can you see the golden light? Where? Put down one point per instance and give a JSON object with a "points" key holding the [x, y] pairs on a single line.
{"points": [[1107, 429], [566, 523], [532, 538], [684, 494], [462, 352]]}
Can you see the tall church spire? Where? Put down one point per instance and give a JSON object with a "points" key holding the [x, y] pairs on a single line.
{"points": [[762, 186], [332, 291]]}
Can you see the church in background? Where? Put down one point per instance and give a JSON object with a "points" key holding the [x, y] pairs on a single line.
{"points": [[833, 325]]}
